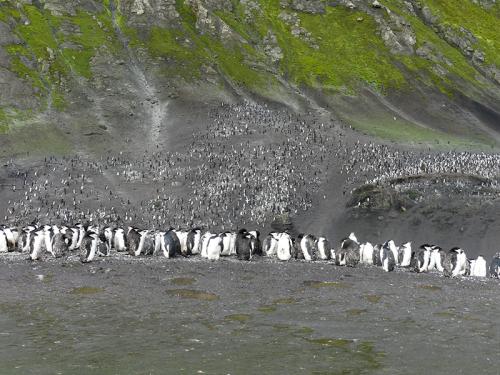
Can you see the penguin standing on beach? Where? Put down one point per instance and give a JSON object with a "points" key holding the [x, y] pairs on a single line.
{"points": [[193, 241], [3, 242], [108, 239], [60, 245], [88, 247], [348, 254], [182, 236], [270, 244], [422, 258], [495, 266], [243, 245], [284, 250], [205, 238], [37, 245], [459, 262], [377, 261], [11, 236], [133, 240], [119, 241], [405, 254], [159, 243], [172, 245], [478, 267], [323, 247], [255, 243], [306, 247], [215, 246], [387, 257], [366, 253]]}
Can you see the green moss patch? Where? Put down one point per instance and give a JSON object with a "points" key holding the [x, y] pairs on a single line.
{"points": [[432, 288], [483, 23], [240, 318], [373, 298], [86, 290], [267, 309], [193, 294]]}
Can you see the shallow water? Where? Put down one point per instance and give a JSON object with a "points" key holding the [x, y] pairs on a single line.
{"points": [[158, 316]]}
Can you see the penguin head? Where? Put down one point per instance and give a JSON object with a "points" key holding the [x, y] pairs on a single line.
{"points": [[353, 237]]}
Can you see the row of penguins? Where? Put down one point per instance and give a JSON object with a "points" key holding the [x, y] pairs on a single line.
{"points": [[89, 241]]}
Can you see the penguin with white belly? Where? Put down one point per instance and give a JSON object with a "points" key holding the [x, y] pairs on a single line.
{"points": [[270, 244], [88, 247], [494, 270], [387, 257]]}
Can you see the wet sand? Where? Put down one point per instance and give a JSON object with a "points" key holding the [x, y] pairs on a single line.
{"points": [[157, 316]]}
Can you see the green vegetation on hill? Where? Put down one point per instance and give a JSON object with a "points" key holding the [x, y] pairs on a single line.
{"points": [[48, 56], [258, 45], [348, 52], [483, 23]]}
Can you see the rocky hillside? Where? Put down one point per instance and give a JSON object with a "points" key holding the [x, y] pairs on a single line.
{"points": [[83, 73]]}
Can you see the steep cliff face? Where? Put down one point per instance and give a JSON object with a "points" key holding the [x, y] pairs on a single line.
{"points": [[85, 72]]}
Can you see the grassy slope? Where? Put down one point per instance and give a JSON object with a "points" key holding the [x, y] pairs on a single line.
{"points": [[484, 24], [351, 54]]}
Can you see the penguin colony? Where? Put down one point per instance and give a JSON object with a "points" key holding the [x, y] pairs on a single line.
{"points": [[249, 166], [41, 242]]}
